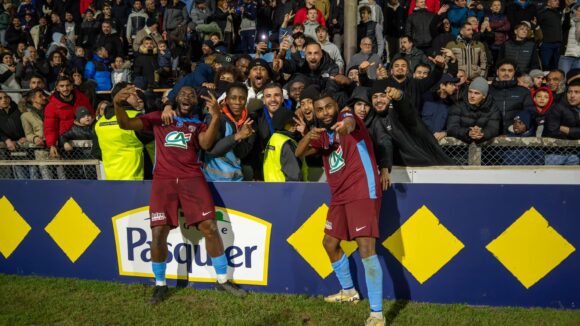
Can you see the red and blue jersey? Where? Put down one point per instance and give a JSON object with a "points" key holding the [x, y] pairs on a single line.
{"points": [[176, 146], [349, 163]]}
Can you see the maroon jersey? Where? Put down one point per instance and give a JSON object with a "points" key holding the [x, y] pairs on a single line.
{"points": [[176, 146], [349, 163]]}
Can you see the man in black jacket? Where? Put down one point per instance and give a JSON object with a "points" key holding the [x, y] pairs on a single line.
{"points": [[508, 96], [521, 50], [550, 21], [111, 41], [477, 118]]}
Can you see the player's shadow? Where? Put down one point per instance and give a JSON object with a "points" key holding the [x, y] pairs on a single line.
{"points": [[389, 223], [191, 255]]}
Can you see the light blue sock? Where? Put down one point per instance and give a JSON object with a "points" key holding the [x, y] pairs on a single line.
{"points": [[342, 271], [220, 264], [374, 280], [159, 272]]}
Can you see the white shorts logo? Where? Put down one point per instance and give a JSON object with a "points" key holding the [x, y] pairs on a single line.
{"points": [[157, 217]]}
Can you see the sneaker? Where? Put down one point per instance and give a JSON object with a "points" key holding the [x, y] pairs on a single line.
{"points": [[231, 288], [343, 296], [374, 321], [159, 294]]}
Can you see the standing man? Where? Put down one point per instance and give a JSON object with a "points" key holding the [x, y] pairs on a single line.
{"points": [[348, 156], [178, 182]]}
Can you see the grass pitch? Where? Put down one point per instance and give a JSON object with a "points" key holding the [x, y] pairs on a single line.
{"points": [[26, 300]]}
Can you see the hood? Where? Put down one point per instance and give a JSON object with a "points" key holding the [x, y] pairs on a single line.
{"points": [[56, 36], [360, 94], [550, 100]]}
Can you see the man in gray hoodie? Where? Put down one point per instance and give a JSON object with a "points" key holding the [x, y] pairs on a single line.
{"points": [[330, 48]]}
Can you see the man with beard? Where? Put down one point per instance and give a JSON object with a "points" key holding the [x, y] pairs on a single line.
{"points": [[471, 55], [178, 182], [346, 147], [111, 41], [121, 150], [564, 120], [223, 162]]}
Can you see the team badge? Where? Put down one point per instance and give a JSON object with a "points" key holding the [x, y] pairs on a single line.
{"points": [[336, 161], [177, 139]]}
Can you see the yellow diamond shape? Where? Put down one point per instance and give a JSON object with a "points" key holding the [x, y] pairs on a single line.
{"points": [[13, 228], [423, 245], [72, 230], [530, 248], [307, 241]]}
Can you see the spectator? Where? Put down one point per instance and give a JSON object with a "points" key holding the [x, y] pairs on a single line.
{"points": [[521, 10], [550, 21], [199, 12], [11, 132], [366, 54], [525, 81], [459, 12], [248, 11], [98, 69], [78, 61], [107, 14], [335, 22], [135, 21], [89, 28], [507, 95], [4, 24], [436, 106], [82, 129], [62, 43], [564, 121], [57, 25], [324, 7], [59, 113], [371, 29], [151, 30], [500, 26], [330, 48], [175, 15], [421, 71], [470, 54], [280, 162], [85, 86], [537, 78], [109, 40], [120, 150], [224, 17], [412, 54], [394, 26], [146, 66], [418, 25], [521, 50], [30, 65], [522, 126], [295, 87], [71, 28], [121, 72], [39, 35], [441, 27], [165, 64], [556, 81], [8, 77], [311, 24], [477, 119], [223, 162], [33, 118], [376, 11], [15, 34], [302, 13], [570, 27], [241, 63]]}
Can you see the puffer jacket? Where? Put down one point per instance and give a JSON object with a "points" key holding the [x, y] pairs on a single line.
{"points": [[463, 116], [175, 16], [99, 71], [59, 116], [418, 27], [510, 99], [77, 132], [471, 56]]}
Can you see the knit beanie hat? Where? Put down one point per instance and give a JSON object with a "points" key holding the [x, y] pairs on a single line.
{"points": [[480, 84]]}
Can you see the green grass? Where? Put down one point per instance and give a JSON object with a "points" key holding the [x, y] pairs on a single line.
{"points": [[28, 300]]}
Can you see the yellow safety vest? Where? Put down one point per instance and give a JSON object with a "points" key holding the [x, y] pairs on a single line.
{"points": [[272, 165], [121, 150]]}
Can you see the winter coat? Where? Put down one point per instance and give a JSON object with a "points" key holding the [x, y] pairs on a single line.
{"points": [[463, 116], [77, 132], [125, 74], [156, 36], [418, 27], [562, 115], [10, 124], [334, 53], [145, 68], [550, 21], [88, 31], [175, 16], [435, 111], [8, 81], [358, 58], [394, 25], [302, 15], [135, 22], [415, 57], [402, 139], [500, 26], [517, 12], [33, 123], [524, 53], [59, 116], [112, 42], [98, 70], [471, 57], [510, 99], [458, 16]]}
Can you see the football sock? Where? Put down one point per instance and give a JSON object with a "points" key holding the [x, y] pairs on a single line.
{"points": [[342, 271], [374, 281], [159, 272], [220, 264]]}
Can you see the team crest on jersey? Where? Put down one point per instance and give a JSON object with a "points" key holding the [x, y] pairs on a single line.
{"points": [[177, 139], [336, 161]]}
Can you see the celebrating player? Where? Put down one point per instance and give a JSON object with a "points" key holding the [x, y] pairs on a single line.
{"points": [[349, 164], [178, 181]]}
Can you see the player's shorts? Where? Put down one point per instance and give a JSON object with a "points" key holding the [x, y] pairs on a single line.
{"points": [[192, 195], [352, 220]]}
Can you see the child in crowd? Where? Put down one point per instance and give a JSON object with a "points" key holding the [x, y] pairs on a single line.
{"points": [[165, 64], [121, 71]]}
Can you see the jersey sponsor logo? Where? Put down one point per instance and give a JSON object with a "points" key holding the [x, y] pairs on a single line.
{"points": [[177, 139], [157, 217], [246, 242], [357, 229], [336, 161]]}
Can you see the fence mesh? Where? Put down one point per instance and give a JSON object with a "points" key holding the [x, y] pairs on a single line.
{"points": [[30, 162]]}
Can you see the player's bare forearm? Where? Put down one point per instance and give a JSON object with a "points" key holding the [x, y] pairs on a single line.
{"points": [[209, 137], [124, 121], [304, 149]]}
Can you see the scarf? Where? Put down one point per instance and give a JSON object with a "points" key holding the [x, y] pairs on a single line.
{"points": [[243, 117]]}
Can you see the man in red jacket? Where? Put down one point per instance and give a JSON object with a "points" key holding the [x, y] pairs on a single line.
{"points": [[59, 114]]}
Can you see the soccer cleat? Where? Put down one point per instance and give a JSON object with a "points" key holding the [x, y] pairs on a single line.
{"points": [[231, 288], [374, 321], [159, 294], [344, 296]]}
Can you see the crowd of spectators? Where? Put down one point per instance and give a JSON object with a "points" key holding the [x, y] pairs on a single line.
{"points": [[472, 70]]}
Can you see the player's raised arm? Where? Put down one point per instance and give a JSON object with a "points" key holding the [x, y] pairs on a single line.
{"points": [[208, 137], [122, 118]]}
